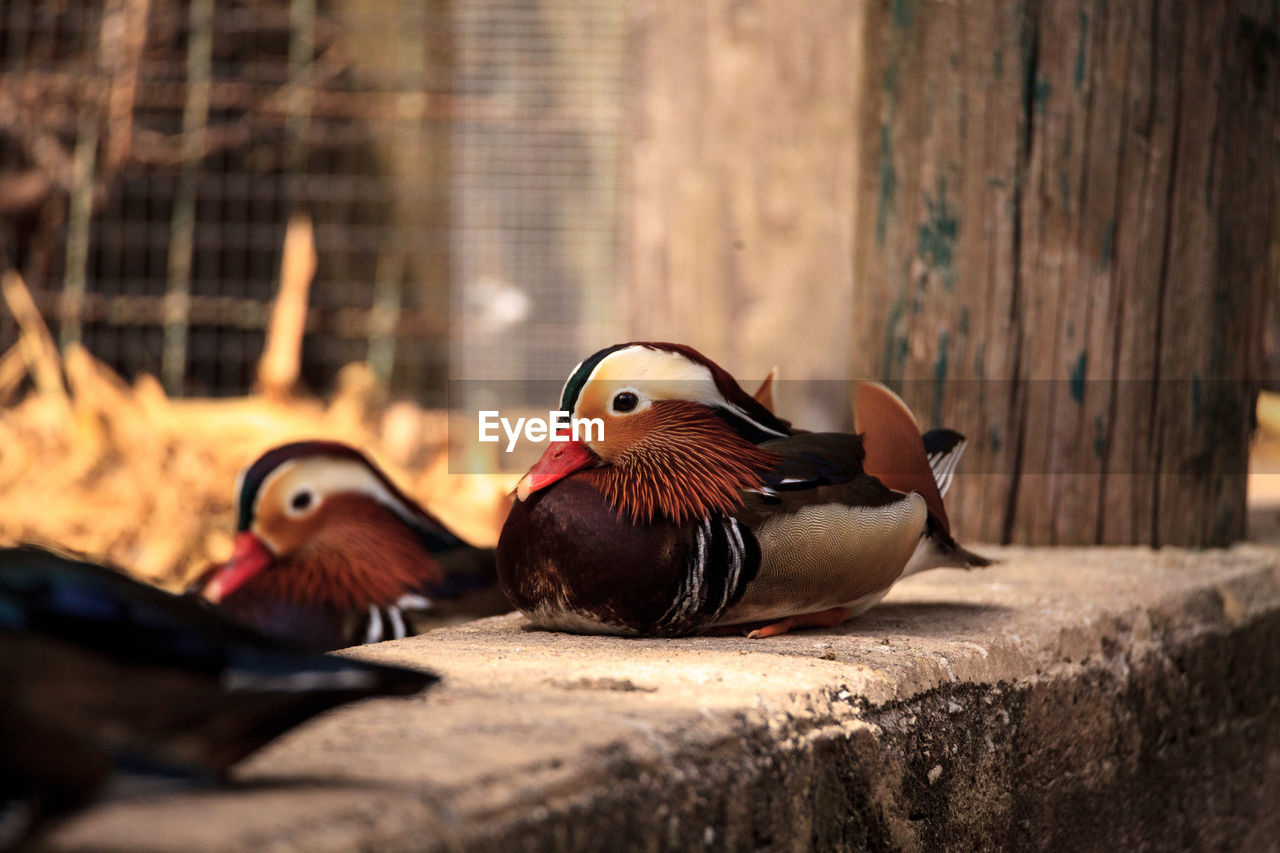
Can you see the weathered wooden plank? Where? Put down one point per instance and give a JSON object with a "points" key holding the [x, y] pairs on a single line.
{"points": [[1078, 39], [1051, 230], [1082, 508], [1073, 206], [940, 266]]}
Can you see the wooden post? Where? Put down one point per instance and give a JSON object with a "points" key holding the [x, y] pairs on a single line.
{"points": [[1066, 253]]}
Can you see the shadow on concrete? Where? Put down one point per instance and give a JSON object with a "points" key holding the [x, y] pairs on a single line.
{"points": [[135, 787], [944, 619]]}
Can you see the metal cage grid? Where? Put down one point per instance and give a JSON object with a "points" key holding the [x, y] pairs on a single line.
{"points": [[458, 161], [536, 178]]}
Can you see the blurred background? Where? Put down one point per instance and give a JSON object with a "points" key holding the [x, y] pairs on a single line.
{"points": [[229, 223], [459, 162]]}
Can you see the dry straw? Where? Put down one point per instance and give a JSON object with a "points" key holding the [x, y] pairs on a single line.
{"points": [[126, 473]]}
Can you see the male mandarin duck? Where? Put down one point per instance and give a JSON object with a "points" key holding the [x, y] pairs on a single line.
{"points": [[104, 675], [699, 510], [330, 553]]}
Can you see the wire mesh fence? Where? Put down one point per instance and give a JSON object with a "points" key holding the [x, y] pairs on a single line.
{"points": [[536, 142], [458, 161]]}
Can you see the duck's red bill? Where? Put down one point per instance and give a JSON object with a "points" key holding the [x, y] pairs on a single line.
{"points": [[560, 460], [248, 560]]}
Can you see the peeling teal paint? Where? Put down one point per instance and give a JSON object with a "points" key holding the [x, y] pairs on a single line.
{"points": [[1027, 69], [937, 236], [890, 332], [888, 184], [1077, 376], [1099, 437], [904, 13], [1042, 92], [1078, 77], [993, 438], [1108, 243], [940, 374]]}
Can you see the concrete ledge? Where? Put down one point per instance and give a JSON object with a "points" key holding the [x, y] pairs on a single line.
{"points": [[1115, 698]]}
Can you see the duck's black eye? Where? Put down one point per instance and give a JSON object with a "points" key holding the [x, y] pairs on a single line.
{"points": [[624, 401], [301, 500]]}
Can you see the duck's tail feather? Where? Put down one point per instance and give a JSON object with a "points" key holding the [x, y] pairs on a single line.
{"points": [[938, 550], [944, 447], [895, 450]]}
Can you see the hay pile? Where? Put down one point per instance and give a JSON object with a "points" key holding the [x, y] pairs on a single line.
{"points": [[123, 472]]}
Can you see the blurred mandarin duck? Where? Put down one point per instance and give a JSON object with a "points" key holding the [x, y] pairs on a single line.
{"points": [[105, 677], [329, 553], [699, 510]]}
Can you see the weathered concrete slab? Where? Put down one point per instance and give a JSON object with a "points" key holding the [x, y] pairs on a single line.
{"points": [[1065, 698]]}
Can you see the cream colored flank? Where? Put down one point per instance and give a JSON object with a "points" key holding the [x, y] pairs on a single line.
{"points": [[830, 555]]}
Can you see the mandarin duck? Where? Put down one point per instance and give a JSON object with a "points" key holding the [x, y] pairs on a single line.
{"points": [[106, 677], [698, 510], [329, 553]]}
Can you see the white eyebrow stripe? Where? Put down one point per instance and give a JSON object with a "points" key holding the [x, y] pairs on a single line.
{"points": [[693, 380], [746, 417], [278, 472], [592, 375], [330, 475]]}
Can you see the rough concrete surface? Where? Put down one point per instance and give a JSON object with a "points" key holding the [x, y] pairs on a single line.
{"points": [[1064, 699]]}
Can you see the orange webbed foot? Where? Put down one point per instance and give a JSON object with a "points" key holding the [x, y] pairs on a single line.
{"points": [[821, 619]]}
